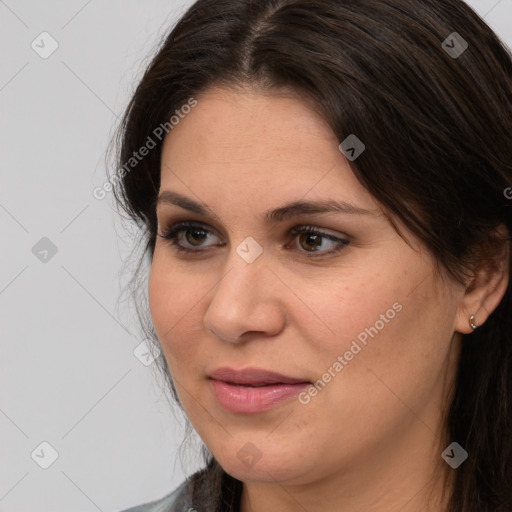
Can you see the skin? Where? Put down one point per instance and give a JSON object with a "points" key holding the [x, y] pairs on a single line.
{"points": [[371, 439]]}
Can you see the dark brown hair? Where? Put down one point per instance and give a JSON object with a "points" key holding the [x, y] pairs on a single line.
{"points": [[437, 129]]}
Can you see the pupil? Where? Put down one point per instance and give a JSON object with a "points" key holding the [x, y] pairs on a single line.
{"points": [[313, 240], [196, 235]]}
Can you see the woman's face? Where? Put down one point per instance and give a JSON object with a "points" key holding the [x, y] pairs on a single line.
{"points": [[351, 306]]}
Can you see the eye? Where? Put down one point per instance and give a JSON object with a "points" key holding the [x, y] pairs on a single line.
{"points": [[190, 237], [313, 240], [194, 235]]}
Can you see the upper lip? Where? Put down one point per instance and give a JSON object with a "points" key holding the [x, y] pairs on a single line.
{"points": [[252, 376]]}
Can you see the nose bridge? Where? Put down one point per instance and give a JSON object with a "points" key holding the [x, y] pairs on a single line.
{"points": [[240, 279], [243, 300]]}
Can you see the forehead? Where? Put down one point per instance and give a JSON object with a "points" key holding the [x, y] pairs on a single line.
{"points": [[247, 138], [241, 122]]}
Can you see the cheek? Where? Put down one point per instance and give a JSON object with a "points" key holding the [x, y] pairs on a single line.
{"points": [[365, 307], [170, 294], [175, 299], [402, 360], [378, 327]]}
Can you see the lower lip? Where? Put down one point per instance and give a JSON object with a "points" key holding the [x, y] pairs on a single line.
{"points": [[250, 400]]}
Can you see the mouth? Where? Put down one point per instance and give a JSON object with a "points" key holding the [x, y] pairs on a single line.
{"points": [[248, 385], [253, 377], [253, 390]]}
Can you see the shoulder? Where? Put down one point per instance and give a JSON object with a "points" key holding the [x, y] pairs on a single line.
{"points": [[175, 501]]}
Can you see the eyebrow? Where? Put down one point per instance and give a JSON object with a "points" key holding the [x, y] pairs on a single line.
{"points": [[287, 211]]}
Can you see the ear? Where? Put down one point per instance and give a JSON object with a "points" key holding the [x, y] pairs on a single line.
{"points": [[487, 287]]}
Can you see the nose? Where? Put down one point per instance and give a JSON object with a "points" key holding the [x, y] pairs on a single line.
{"points": [[245, 302]]}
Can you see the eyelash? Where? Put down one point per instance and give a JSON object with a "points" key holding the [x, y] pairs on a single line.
{"points": [[171, 233]]}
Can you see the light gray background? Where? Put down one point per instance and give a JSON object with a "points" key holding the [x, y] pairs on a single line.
{"points": [[68, 374]]}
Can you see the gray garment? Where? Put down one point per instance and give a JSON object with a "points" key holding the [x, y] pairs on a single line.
{"points": [[176, 501]]}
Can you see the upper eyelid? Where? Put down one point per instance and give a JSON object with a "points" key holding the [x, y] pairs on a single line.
{"points": [[193, 222], [182, 225]]}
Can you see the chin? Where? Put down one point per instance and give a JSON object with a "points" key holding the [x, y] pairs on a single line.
{"points": [[277, 467]]}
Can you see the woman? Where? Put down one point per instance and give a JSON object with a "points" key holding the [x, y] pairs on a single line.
{"points": [[322, 187]]}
